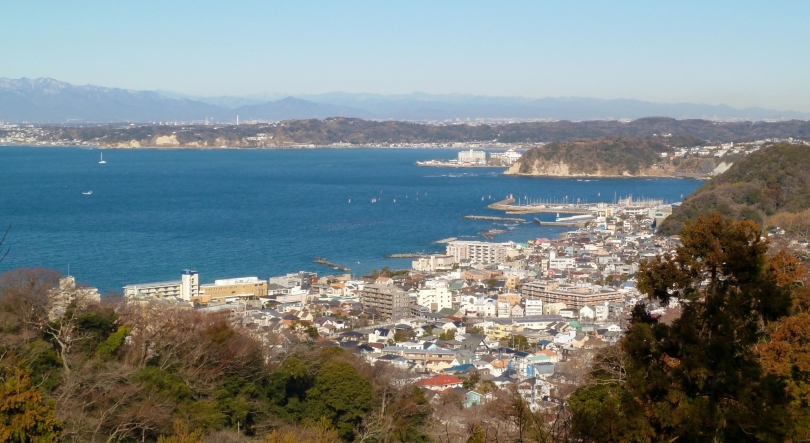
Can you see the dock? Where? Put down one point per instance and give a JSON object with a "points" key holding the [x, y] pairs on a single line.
{"points": [[326, 262], [492, 218]]}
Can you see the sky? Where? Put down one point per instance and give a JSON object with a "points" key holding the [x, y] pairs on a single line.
{"points": [[739, 53]]}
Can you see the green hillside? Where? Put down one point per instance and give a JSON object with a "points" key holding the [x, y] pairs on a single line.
{"points": [[772, 181], [599, 156]]}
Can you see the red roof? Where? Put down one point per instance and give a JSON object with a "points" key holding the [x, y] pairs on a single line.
{"points": [[440, 380]]}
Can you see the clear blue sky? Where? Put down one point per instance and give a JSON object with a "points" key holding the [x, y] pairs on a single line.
{"points": [[739, 53]]}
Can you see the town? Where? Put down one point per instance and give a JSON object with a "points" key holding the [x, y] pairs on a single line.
{"points": [[527, 316]]}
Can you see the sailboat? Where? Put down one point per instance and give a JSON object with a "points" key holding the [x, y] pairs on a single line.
{"points": [[101, 161]]}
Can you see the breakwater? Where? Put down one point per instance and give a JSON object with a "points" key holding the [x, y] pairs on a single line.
{"points": [[404, 255], [326, 262], [492, 218], [578, 224]]}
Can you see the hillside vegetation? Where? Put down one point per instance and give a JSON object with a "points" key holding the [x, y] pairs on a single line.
{"points": [[605, 156], [762, 185]]}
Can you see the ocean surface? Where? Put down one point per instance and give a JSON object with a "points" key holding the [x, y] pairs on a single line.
{"points": [[234, 213]]}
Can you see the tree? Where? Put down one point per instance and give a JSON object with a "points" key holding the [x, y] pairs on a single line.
{"points": [[700, 378], [24, 415], [24, 294], [519, 342], [472, 381], [400, 336], [449, 334], [341, 395], [182, 434]]}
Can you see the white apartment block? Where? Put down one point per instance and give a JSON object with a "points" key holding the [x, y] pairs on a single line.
{"points": [[534, 306], [433, 263], [472, 156], [435, 299], [477, 251], [161, 289], [189, 285]]}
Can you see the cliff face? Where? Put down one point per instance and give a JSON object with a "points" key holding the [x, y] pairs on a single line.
{"points": [[600, 157], [563, 169]]}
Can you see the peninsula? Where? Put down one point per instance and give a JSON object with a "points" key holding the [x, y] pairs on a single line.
{"points": [[633, 157]]}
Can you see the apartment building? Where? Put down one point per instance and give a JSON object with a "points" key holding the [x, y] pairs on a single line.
{"points": [[477, 251], [472, 156], [160, 289], [574, 297], [433, 263], [435, 299], [390, 301], [534, 306]]}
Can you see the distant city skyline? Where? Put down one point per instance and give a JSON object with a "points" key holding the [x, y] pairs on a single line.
{"points": [[742, 55]]}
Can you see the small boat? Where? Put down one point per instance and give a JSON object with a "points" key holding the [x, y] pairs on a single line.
{"points": [[395, 200], [87, 192], [350, 200], [101, 161]]}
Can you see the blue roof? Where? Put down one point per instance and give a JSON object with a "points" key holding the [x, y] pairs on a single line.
{"points": [[459, 368]]}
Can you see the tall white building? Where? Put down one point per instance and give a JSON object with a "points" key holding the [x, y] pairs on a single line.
{"points": [[189, 285], [472, 156], [477, 251], [435, 299]]}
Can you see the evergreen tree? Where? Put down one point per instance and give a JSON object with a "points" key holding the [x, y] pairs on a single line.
{"points": [[699, 378], [341, 395]]}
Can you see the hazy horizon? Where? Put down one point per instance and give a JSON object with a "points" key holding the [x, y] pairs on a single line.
{"points": [[740, 55]]}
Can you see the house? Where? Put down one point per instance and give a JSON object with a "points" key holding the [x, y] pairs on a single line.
{"points": [[472, 398], [381, 335], [440, 383]]}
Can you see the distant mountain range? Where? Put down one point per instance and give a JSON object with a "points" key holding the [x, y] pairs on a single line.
{"points": [[45, 100]]}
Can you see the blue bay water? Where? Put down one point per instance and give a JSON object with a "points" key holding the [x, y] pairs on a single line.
{"points": [[258, 213]]}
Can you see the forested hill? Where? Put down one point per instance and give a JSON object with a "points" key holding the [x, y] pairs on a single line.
{"points": [[769, 186], [358, 131], [609, 157]]}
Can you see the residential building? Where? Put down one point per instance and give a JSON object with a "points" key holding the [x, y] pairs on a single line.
{"points": [[301, 279], [388, 300], [477, 251], [189, 285], [574, 297], [156, 289], [534, 306], [435, 299], [472, 156], [433, 263]]}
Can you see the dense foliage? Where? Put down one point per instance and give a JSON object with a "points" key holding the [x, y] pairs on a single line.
{"points": [[765, 183], [151, 372], [600, 156], [732, 367]]}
